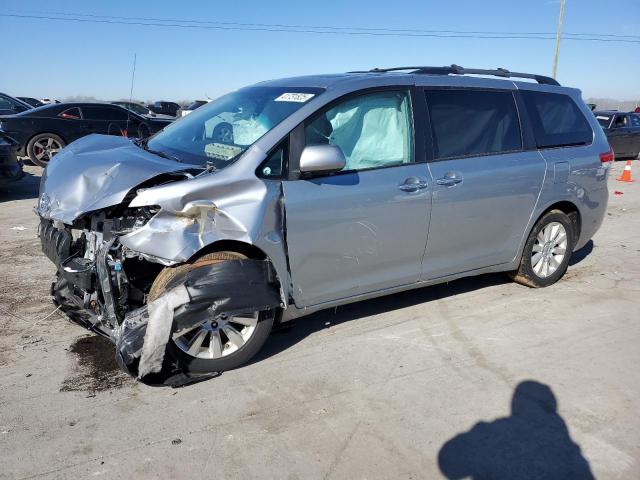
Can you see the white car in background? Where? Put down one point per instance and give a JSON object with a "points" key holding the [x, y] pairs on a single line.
{"points": [[183, 112]]}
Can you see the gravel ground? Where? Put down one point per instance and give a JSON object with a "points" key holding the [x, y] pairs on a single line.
{"points": [[415, 385]]}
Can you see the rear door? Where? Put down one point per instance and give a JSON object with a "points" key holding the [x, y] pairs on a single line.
{"points": [[364, 228], [486, 183], [106, 120]]}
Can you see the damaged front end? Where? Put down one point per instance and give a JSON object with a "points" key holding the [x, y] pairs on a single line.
{"points": [[109, 248]]}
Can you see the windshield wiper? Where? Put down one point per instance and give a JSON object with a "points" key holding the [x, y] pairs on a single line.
{"points": [[143, 144]]}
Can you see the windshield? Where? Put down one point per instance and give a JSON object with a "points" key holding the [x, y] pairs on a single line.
{"points": [[219, 132]]}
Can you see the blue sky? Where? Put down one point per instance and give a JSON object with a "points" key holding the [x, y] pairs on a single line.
{"points": [[45, 58]]}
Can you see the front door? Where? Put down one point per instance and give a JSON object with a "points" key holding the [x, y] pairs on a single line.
{"points": [[620, 135], [486, 186], [362, 229]]}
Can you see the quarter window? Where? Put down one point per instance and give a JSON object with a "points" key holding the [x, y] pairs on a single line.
{"points": [[275, 165], [557, 120], [373, 130], [470, 122], [71, 114]]}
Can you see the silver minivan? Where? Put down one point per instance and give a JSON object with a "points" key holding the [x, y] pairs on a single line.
{"points": [[300, 194]]}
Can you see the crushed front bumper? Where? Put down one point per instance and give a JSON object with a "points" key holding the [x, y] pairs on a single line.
{"points": [[80, 280]]}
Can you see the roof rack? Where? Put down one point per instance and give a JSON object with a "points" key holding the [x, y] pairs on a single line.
{"points": [[458, 70]]}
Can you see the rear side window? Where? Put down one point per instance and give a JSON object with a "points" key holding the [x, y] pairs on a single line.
{"points": [[104, 113], [635, 120], [557, 120], [472, 122]]}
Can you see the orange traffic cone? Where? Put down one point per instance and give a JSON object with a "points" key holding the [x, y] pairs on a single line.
{"points": [[626, 173]]}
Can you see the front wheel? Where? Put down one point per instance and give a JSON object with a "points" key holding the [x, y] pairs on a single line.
{"points": [[218, 344], [546, 254]]}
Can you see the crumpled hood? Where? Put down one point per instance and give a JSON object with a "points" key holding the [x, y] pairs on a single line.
{"points": [[95, 172]]}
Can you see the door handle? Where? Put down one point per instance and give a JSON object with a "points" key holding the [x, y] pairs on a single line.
{"points": [[413, 184], [450, 179]]}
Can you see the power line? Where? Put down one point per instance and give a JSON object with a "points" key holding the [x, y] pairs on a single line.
{"points": [[312, 30], [326, 27]]}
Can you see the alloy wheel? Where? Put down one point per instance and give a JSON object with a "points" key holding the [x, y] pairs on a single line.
{"points": [[549, 249], [217, 338], [45, 148]]}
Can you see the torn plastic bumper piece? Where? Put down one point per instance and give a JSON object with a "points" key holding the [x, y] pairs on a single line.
{"points": [[229, 288]]}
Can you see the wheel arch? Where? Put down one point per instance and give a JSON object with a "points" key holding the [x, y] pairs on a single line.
{"points": [[249, 250], [568, 208]]}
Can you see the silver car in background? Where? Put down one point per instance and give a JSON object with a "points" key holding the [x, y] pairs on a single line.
{"points": [[323, 190]]}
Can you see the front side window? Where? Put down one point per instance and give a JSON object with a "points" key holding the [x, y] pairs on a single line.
{"points": [[373, 130], [620, 121], [557, 120], [219, 132], [5, 104], [472, 122]]}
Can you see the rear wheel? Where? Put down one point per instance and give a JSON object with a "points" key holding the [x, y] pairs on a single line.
{"points": [[546, 254], [217, 344], [43, 147]]}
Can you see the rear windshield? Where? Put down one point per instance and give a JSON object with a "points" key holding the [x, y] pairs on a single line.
{"points": [[219, 132], [557, 120]]}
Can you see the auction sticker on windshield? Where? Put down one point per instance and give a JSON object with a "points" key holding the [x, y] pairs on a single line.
{"points": [[294, 97]]}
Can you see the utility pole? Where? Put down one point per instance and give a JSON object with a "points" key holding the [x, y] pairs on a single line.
{"points": [[133, 75], [558, 36]]}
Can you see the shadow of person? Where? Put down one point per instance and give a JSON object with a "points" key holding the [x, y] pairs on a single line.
{"points": [[533, 443]]}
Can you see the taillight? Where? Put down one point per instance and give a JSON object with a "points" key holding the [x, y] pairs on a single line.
{"points": [[607, 156]]}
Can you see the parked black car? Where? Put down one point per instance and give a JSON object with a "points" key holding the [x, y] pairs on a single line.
{"points": [[622, 130], [164, 108], [34, 102], [10, 105], [10, 167], [42, 132], [141, 110]]}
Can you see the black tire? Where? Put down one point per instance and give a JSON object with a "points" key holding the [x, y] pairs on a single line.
{"points": [[34, 149], [526, 275], [223, 133], [241, 356]]}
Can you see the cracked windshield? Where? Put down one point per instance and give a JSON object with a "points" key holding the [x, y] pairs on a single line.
{"points": [[219, 132]]}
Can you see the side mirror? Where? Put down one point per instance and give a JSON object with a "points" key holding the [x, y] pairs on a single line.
{"points": [[322, 159]]}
